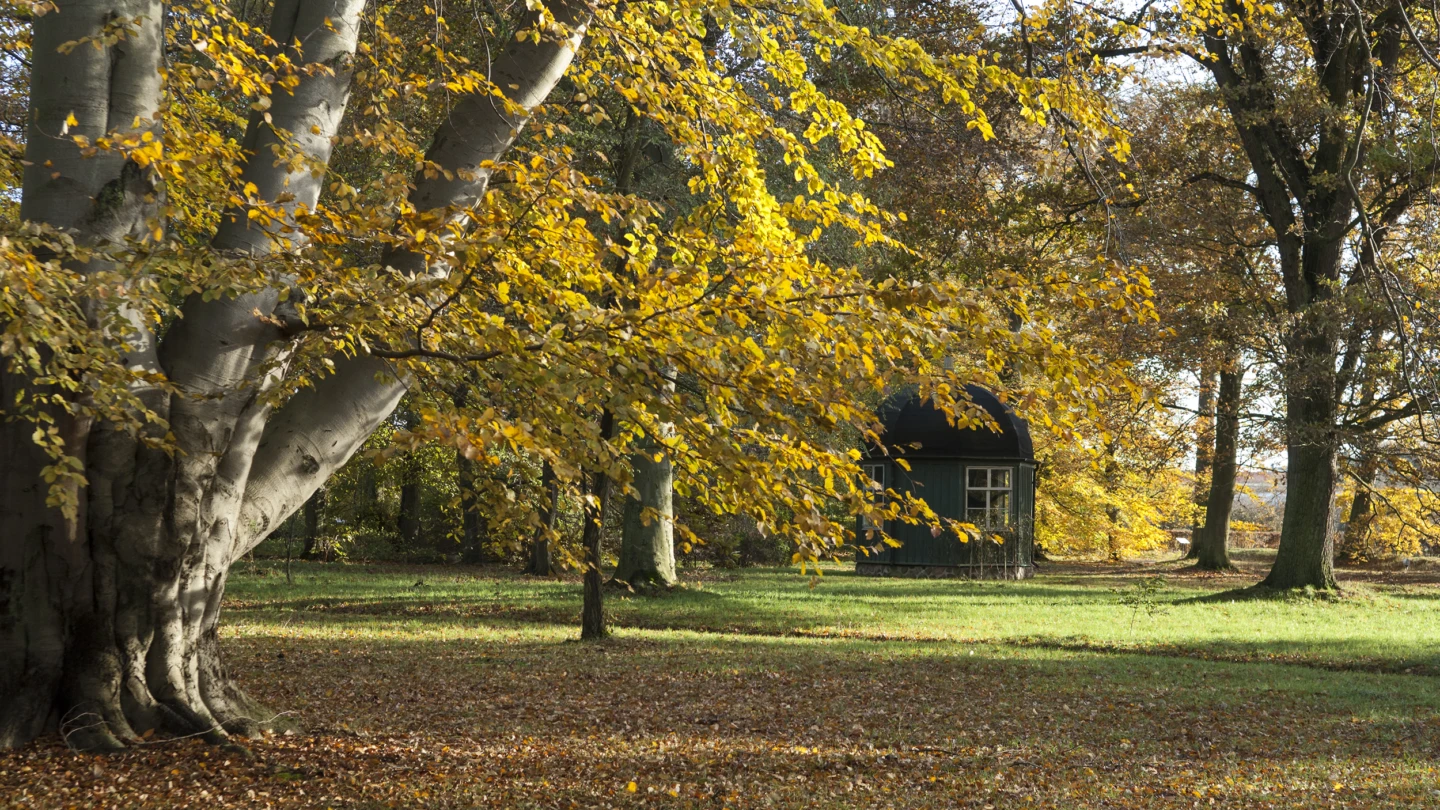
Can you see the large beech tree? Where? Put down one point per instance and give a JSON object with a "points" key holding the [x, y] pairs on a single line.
{"points": [[112, 594], [201, 326]]}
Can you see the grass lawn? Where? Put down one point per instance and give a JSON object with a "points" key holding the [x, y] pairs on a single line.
{"points": [[458, 687]]}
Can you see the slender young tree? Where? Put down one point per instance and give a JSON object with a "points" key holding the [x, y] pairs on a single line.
{"points": [[472, 519], [1362, 506], [407, 518], [597, 497], [314, 513]]}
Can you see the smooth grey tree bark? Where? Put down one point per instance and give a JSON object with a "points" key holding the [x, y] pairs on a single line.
{"points": [[58, 586], [108, 619], [647, 531]]}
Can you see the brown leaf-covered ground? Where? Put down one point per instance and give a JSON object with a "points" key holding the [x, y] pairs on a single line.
{"points": [[456, 689]]}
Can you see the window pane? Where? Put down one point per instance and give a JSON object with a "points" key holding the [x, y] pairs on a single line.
{"points": [[1000, 502], [877, 475], [977, 477], [1000, 479], [976, 500]]}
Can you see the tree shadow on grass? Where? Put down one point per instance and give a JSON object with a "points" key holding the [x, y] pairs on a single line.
{"points": [[1260, 592]]}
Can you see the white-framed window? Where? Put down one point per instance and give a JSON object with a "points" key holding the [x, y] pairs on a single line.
{"points": [[988, 491], [875, 480]]}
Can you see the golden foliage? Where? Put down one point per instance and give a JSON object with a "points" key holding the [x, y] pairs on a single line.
{"points": [[563, 293]]}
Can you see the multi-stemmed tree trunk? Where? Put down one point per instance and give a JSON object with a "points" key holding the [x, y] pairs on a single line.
{"points": [[58, 588], [1213, 541], [109, 614], [647, 533]]}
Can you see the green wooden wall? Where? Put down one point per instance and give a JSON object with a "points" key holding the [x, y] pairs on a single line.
{"points": [[942, 484]]}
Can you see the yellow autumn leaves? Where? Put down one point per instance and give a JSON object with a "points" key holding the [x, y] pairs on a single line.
{"points": [[731, 293]]}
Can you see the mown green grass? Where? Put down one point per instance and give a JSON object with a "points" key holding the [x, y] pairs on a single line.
{"points": [[1379, 627]]}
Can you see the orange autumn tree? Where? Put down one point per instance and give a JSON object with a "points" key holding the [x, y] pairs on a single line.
{"points": [[240, 242]]}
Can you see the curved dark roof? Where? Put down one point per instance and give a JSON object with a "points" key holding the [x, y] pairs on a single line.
{"points": [[909, 421]]}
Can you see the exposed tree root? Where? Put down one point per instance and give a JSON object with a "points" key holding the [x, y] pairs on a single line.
{"points": [[113, 701]]}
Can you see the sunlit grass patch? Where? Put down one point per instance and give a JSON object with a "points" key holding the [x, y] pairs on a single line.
{"points": [[1387, 628]]}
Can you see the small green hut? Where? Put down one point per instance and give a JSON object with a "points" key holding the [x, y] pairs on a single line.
{"points": [[978, 475]]}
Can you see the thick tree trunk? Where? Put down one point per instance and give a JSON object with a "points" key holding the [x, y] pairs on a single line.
{"points": [[1204, 450], [1311, 217], [109, 615], [542, 560], [46, 577], [1307, 539], [592, 615], [171, 522], [1213, 541], [647, 539], [59, 587]]}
